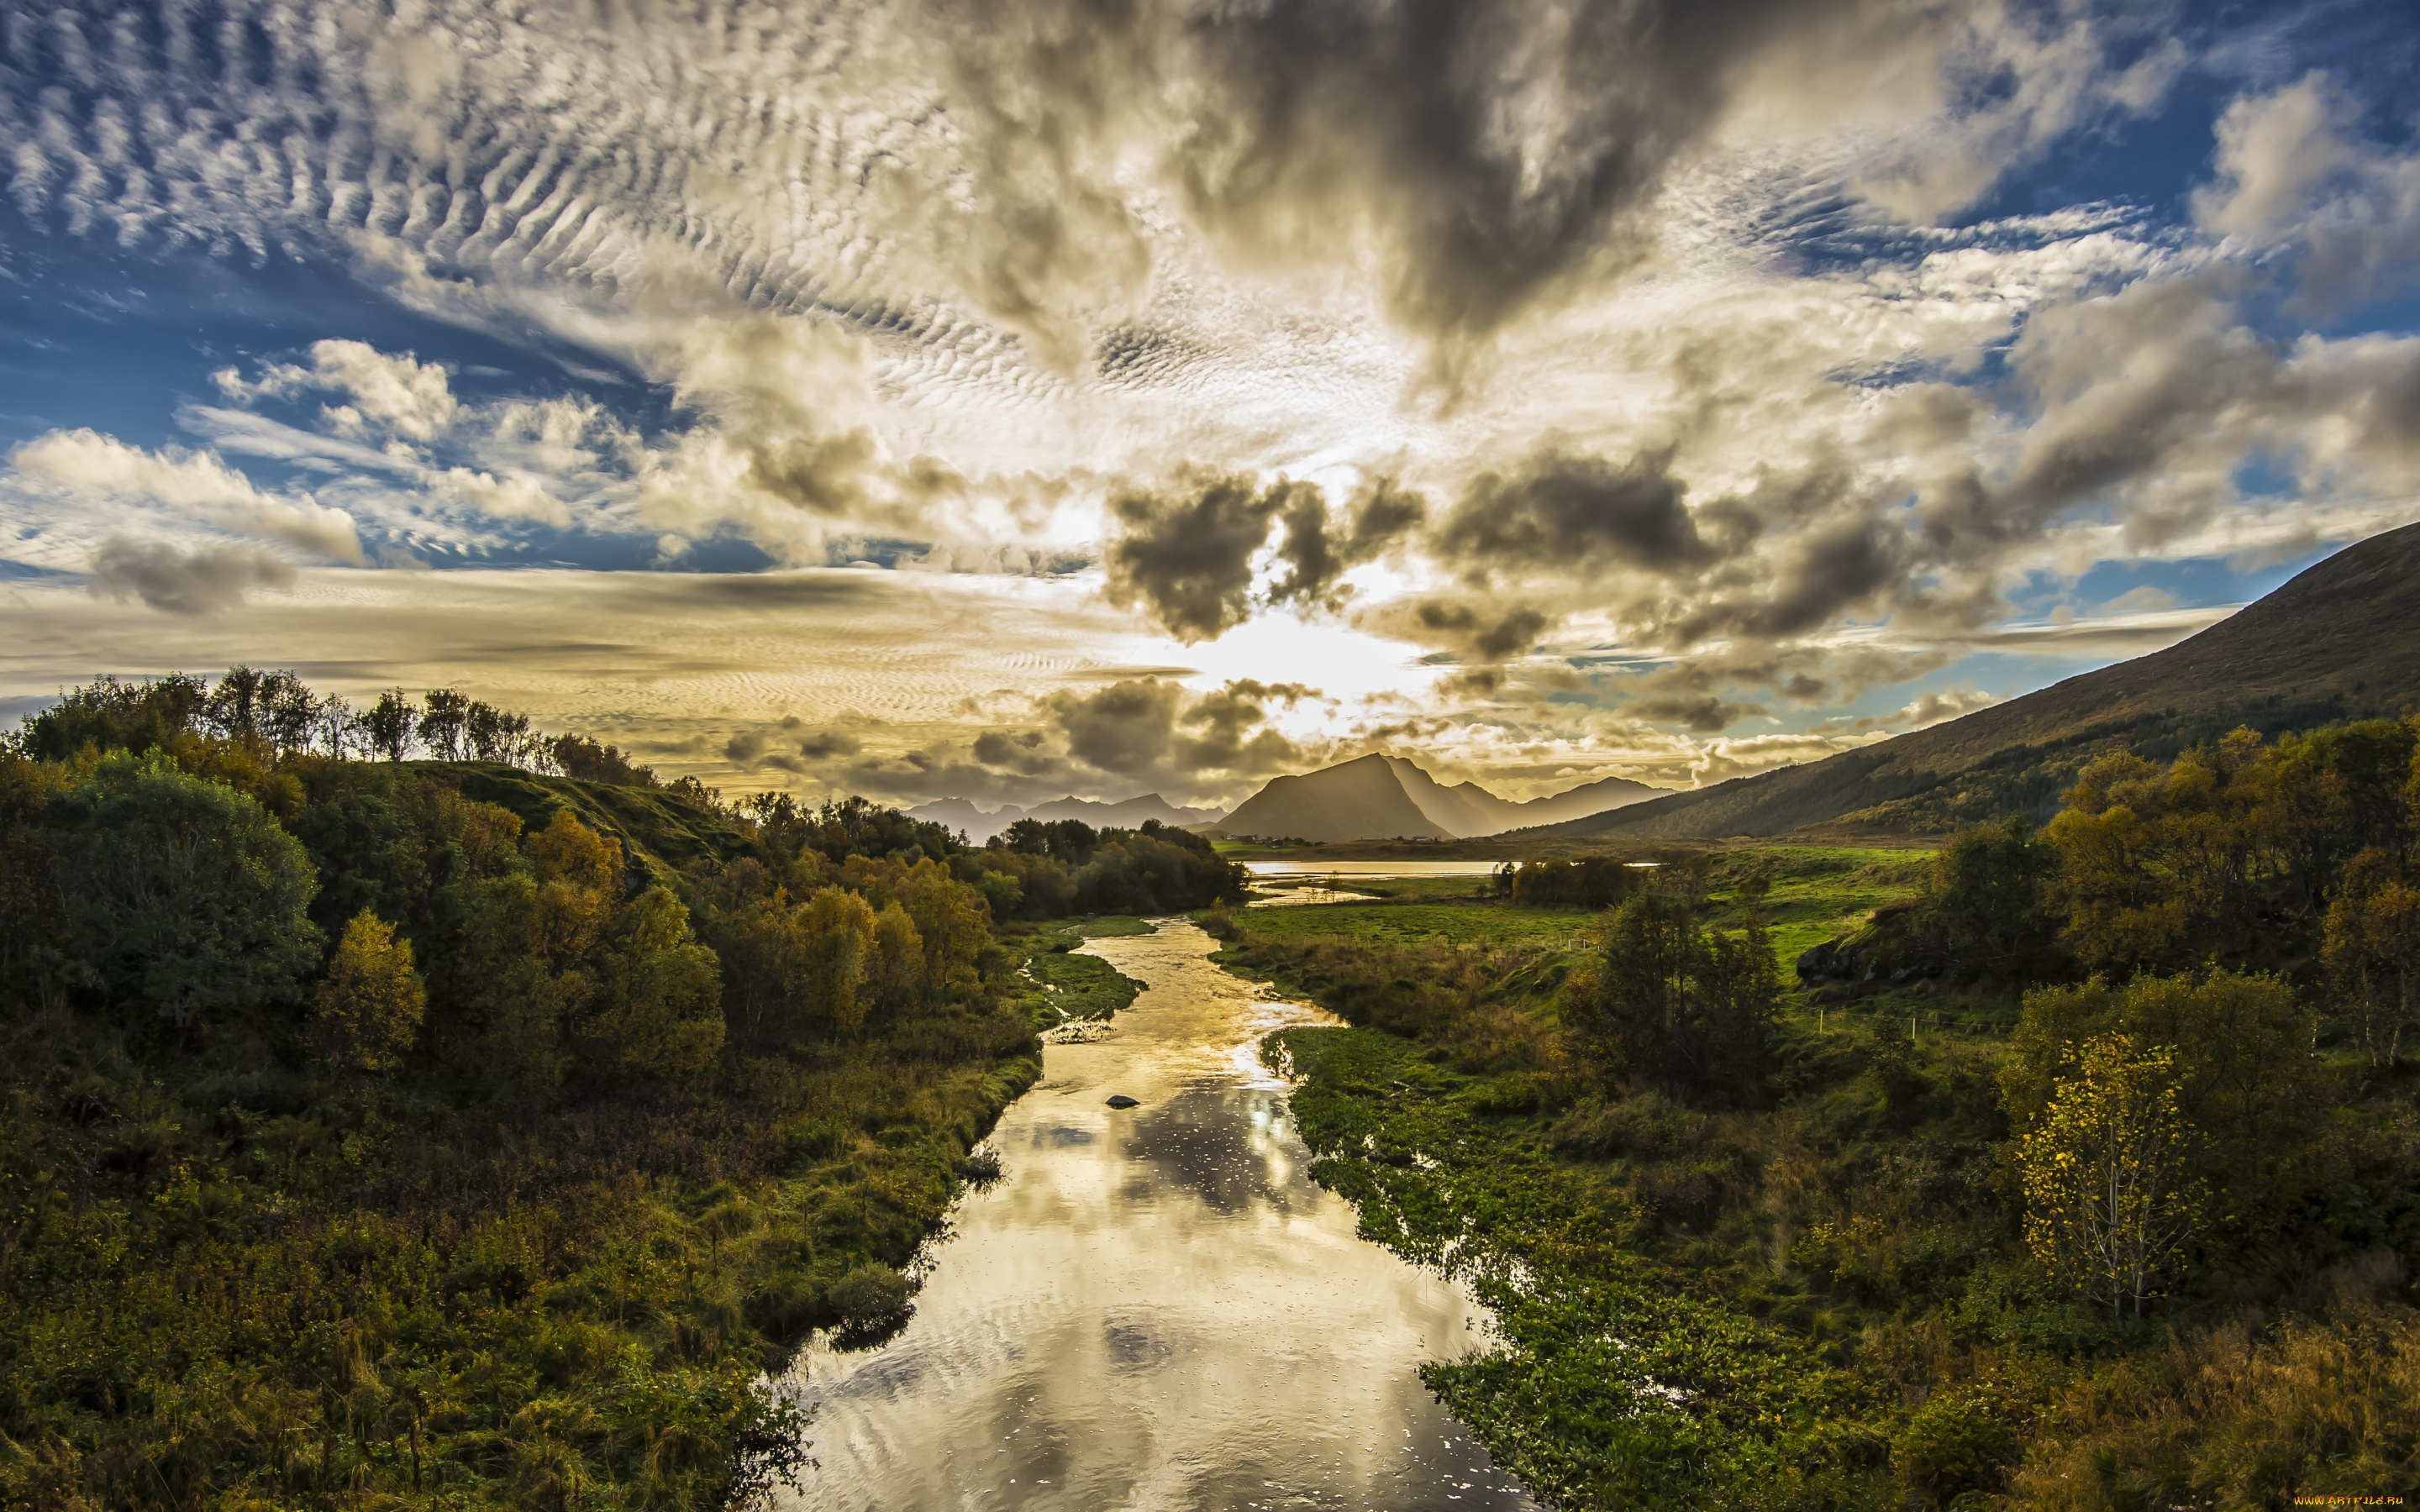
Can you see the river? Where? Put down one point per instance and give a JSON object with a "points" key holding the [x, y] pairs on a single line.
{"points": [[1156, 1308]]}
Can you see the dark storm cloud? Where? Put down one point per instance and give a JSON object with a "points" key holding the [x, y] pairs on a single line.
{"points": [[825, 745], [1492, 147], [823, 474], [1135, 735], [1561, 512], [1188, 557], [1824, 574], [1317, 552], [783, 751], [1125, 728], [1707, 716], [1481, 633], [1153, 730], [210, 580]]}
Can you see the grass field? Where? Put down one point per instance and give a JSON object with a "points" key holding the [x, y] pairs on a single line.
{"points": [[1070, 984], [1081, 986], [1819, 892], [1422, 923]]}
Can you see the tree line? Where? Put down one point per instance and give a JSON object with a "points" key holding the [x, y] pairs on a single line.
{"points": [[2204, 944], [419, 1127], [278, 712], [180, 845]]}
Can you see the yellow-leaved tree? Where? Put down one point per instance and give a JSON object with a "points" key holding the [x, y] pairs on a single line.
{"points": [[2372, 953], [838, 951], [366, 1012], [2111, 1201]]}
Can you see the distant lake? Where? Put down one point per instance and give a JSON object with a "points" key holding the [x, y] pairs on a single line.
{"points": [[1157, 1308]]}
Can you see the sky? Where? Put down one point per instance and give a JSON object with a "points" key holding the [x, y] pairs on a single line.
{"points": [[1112, 396]]}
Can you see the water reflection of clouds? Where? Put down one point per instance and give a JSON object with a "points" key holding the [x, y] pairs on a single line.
{"points": [[1157, 1308], [1196, 1143]]}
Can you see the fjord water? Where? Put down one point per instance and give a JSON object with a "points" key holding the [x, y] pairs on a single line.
{"points": [[1156, 1308]]}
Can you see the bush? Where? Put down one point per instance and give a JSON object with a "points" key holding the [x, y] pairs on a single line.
{"points": [[869, 1296], [1955, 1442]]}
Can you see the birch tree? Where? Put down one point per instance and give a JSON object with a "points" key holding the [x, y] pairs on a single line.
{"points": [[2110, 1197]]}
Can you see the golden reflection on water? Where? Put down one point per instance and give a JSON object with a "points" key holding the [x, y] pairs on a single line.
{"points": [[1156, 1308]]}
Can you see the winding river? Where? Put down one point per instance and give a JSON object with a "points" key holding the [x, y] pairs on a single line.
{"points": [[1156, 1308]]}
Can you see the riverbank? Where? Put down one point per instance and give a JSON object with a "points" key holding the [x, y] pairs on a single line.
{"points": [[1154, 1305], [220, 1298], [1818, 1296]]}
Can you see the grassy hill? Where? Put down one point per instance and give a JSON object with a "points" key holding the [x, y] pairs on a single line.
{"points": [[661, 831], [2339, 642]]}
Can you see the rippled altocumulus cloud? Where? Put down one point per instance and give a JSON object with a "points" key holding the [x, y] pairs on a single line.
{"points": [[1635, 370]]}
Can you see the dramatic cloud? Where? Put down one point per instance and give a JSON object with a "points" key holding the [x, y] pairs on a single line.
{"points": [[1705, 716], [1317, 550], [1552, 381], [1567, 514], [1186, 558]]}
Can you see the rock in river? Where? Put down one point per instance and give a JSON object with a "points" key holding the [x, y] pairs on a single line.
{"points": [[1121, 1101]]}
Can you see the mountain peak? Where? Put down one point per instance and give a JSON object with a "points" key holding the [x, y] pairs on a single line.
{"points": [[1384, 796]]}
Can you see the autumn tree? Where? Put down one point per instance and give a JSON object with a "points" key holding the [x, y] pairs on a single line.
{"points": [[367, 1011], [2111, 1201], [898, 975], [2372, 954], [2245, 1080], [838, 950]]}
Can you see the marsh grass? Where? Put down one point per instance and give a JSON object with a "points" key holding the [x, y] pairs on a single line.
{"points": [[240, 1290], [1820, 1298]]}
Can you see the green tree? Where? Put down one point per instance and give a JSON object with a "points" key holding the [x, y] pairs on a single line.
{"points": [[181, 892], [1987, 905], [367, 1011], [444, 715], [113, 714], [1670, 1002], [2111, 1201], [387, 725], [658, 1014]]}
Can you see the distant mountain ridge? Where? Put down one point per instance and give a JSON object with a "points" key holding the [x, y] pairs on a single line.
{"points": [[1380, 796], [980, 824], [2340, 640]]}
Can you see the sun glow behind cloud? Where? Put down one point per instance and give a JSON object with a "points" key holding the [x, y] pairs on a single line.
{"points": [[1669, 397]]}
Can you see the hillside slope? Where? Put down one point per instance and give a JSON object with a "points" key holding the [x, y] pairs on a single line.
{"points": [[661, 831], [2340, 640]]}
